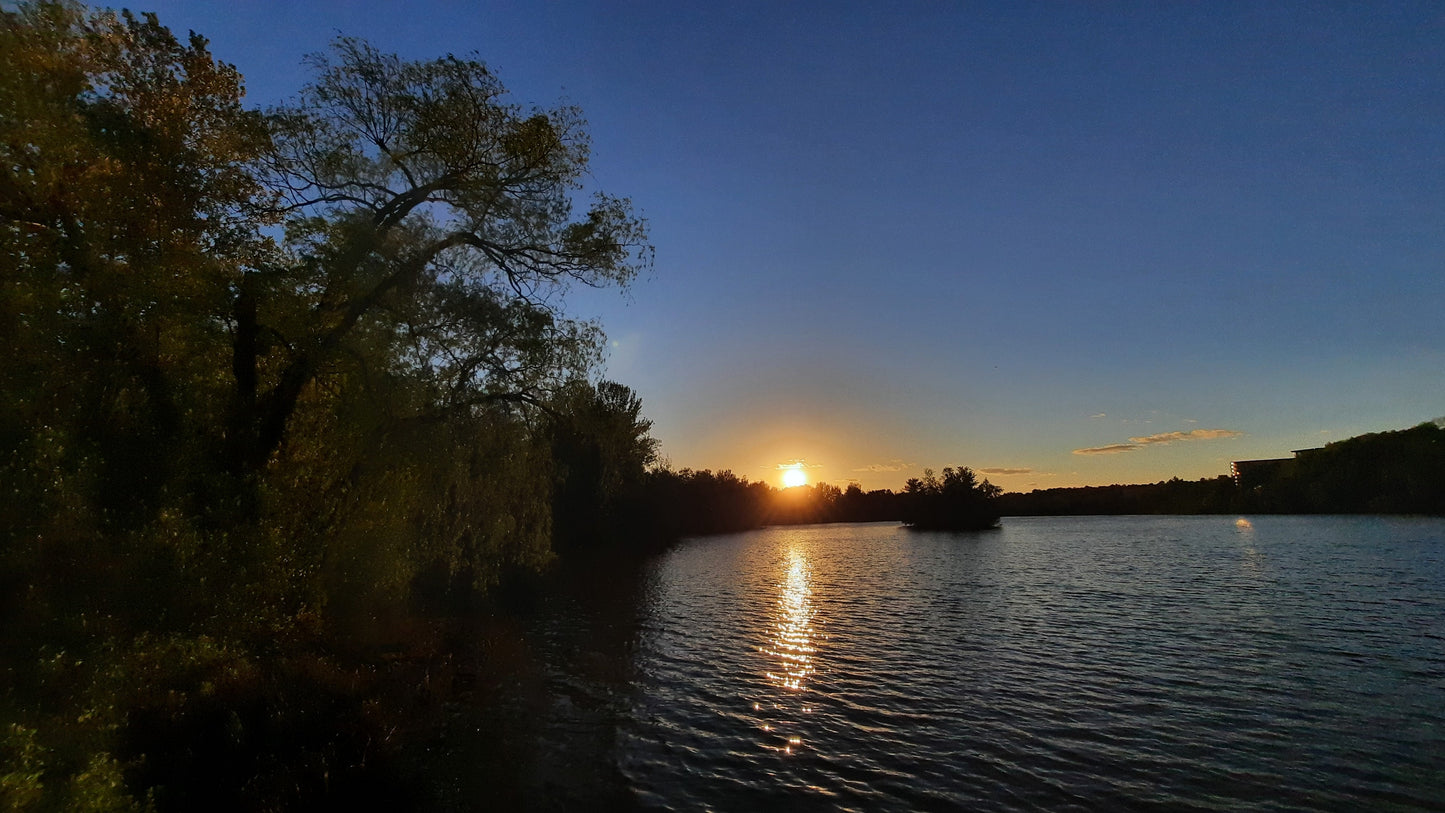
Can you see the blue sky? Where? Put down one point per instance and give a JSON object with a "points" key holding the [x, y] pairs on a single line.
{"points": [[995, 235]]}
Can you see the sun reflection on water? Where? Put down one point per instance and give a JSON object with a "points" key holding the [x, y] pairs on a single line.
{"points": [[792, 641]]}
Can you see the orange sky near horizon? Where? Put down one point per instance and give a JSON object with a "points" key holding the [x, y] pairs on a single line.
{"points": [[1188, 452]]}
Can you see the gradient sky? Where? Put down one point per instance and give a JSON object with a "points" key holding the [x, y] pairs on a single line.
{"points": [[1062, 243]]}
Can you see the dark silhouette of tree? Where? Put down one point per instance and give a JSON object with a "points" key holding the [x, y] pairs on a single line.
{"points": [[601, 451], [428, 215], [1213, 495], [1384, 472], [956, 501]]}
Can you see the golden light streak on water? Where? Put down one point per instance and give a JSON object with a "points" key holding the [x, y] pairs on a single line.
{"points": [[793, 634]]}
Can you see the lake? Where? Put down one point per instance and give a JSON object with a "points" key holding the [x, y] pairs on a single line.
{"points": [[1205, 663], [1084, 663]]}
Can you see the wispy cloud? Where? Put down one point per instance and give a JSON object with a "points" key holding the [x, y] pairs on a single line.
{"points": [[1160, 439], [1099, 415], [1114, 449], [1195, 434], [892, 465], [1004, 471]]}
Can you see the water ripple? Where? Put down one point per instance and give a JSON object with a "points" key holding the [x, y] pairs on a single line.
{"points": [[1086, 664]]}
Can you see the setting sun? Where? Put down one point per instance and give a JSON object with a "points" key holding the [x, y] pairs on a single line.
{"points": [[793, 475]]}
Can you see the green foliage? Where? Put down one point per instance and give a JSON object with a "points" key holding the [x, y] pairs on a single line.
{"points": [[98, 787], [266, 376], [23, 761], [124, 155]]}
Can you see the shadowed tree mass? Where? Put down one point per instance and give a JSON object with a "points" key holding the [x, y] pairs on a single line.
{"points": [[266, 370]]}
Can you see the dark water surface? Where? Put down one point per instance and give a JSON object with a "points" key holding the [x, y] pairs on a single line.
{"points": [[1060, 663]]}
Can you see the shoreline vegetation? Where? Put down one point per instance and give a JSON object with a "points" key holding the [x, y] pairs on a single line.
{"points": [[1395, 472], [293, 428]]}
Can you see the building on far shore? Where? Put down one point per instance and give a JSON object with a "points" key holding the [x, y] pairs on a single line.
{"points": [[1250, 474]]}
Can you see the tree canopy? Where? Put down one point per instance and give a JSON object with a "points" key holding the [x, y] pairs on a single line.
{"points": [[269, 370]]}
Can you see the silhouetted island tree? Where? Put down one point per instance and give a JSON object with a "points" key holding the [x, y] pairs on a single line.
{"points": [[957, 501]]}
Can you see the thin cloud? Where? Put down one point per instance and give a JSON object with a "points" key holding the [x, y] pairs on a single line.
{"points": [[1005, 471], [1099, 415], [1160, 439], [1114, 449], [1196, 434], [892, 465], [797, 464]]}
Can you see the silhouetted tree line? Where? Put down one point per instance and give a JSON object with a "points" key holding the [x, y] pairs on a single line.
{"points": [[1399, 472], [671, 504], [1214, 495]]}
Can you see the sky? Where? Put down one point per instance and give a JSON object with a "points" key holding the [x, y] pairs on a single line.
{"points": [[1060, 243]]}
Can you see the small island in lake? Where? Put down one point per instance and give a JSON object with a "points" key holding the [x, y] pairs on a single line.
{"points": [[957, 501]]}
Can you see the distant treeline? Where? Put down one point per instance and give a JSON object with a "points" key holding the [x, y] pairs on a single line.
{"points": [[1386, 472], [668, 505], [681, 503], [1216, 495], [1401, 472]]}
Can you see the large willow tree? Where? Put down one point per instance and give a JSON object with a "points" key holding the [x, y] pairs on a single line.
{"points": [[413, 308], [329, 322], [263, 368], [426, 213]]}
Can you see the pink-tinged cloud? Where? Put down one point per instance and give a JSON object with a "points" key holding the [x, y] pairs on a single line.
{"points": [[1114, 449], [1197, 434], [999, 472]]}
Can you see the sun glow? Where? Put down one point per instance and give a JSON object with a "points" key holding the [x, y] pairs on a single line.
{"points": [[793, 475]]}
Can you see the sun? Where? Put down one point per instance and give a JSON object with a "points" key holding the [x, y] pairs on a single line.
{"points": [[793, 475]]}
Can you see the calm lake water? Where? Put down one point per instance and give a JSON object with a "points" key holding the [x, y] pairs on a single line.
{"points": [[1107, 663]]}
